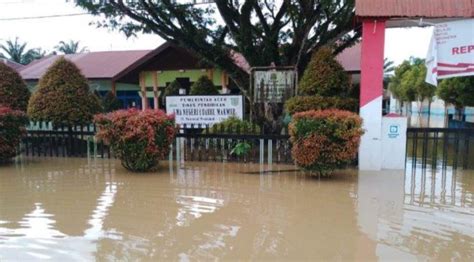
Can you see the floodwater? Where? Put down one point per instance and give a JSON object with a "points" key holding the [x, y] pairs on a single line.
{"points": [[82, 210]]}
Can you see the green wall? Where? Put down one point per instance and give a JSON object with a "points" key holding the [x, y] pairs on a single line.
{"points": [[193, 75]]}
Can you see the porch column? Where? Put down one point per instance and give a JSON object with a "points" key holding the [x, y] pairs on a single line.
{"points": [[371, 93], [143, 90], [114, 87], [155, 90]]}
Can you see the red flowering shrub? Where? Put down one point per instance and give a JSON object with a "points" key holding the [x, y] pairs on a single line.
{"points": [[325, 140], [138, 138], [12, 128]]}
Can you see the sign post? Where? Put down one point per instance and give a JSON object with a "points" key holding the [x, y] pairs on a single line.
{"points": [[200, 111]]}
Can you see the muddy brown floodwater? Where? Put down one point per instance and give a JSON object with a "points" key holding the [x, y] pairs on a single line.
{"points": [[82, 210]]}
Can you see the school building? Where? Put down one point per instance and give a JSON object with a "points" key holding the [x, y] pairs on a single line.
{"points": [[139, 77]]}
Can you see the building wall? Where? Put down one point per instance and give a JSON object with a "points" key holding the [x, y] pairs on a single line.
{"points": [[193, 75]]}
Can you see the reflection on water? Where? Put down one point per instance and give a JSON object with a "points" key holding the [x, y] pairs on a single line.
{"points": [[79, 209]]}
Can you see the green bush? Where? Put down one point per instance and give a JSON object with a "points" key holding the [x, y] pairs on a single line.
{"points": [[13, 91], [12, 127], [232, 124], [325, 140], [138, 138], [63, 96], [305, 103], [173, 88], [203, 86], [110, 102], [324, 76]]}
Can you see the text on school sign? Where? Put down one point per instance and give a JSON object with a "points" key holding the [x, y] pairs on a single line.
{"points": [[204, 110]]}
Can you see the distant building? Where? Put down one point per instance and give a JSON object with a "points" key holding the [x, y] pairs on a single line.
{"points": [[129, 73], [12, 64]]}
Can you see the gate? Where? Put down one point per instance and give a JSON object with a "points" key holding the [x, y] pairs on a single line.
{"points": [[440, 147]]}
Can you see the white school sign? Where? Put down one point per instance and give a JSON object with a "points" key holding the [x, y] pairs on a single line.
{"points": [[451, 51], [204, 110]]}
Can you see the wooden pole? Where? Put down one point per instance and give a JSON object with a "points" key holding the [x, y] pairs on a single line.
{"points": [[143, 90], [114, 87], [155, 91]]}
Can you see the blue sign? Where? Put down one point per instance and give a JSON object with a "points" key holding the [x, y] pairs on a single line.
{"points": [[394, 131]]}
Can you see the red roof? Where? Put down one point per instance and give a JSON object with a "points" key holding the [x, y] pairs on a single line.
{"points": [[116, 64], [12, 64], [350, 58], [94, 65], [415, 8]]}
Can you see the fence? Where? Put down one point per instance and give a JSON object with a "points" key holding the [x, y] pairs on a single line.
{"points": [[232, 144], [440, 147], [43, 139], [196, 144]]}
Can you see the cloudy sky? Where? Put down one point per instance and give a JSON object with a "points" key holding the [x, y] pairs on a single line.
{"points": [[47, 32]]}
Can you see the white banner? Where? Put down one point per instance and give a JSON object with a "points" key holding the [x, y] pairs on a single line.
{"points": [[451, 52], [204, 110]]}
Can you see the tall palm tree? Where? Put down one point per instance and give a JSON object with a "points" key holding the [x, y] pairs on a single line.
{"points": [[71, 47], [388, 66], [16, 51]]}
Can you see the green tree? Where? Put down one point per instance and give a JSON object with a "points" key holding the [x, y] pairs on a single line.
{"points": [[63, 96], [13, 91], [263, 32], [203, 86], [395, 83], [16, 51], [415, 87], [458, 91], [71, 47]]}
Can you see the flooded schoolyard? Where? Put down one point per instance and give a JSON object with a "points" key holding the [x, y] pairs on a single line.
{"points": [[91, 209]]}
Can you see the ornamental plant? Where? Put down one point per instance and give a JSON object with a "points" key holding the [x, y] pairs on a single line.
{"points": [[305, 103], [324, 76], [203, 86], [13, 91], [138, 138], [63, 96], [12, 128], [325, 140]]}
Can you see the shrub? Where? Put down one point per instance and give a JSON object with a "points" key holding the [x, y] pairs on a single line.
{"points": [[203, 86], [173, 88], [13, 91], [324, 76], [138, 138], [325, 140], [63, 96], [110, 102], [12, 127], [232, 124], [305, 103]]}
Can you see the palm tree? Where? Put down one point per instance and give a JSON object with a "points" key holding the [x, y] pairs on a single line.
{"points": [[388, 66], [71, 47], [16, 51]]}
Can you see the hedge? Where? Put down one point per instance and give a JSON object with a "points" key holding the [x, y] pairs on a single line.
{"points": [[325, 140], [138, 138], [12, 128], [63, 96], [13, 91], [305, 103], [324, 76]]}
